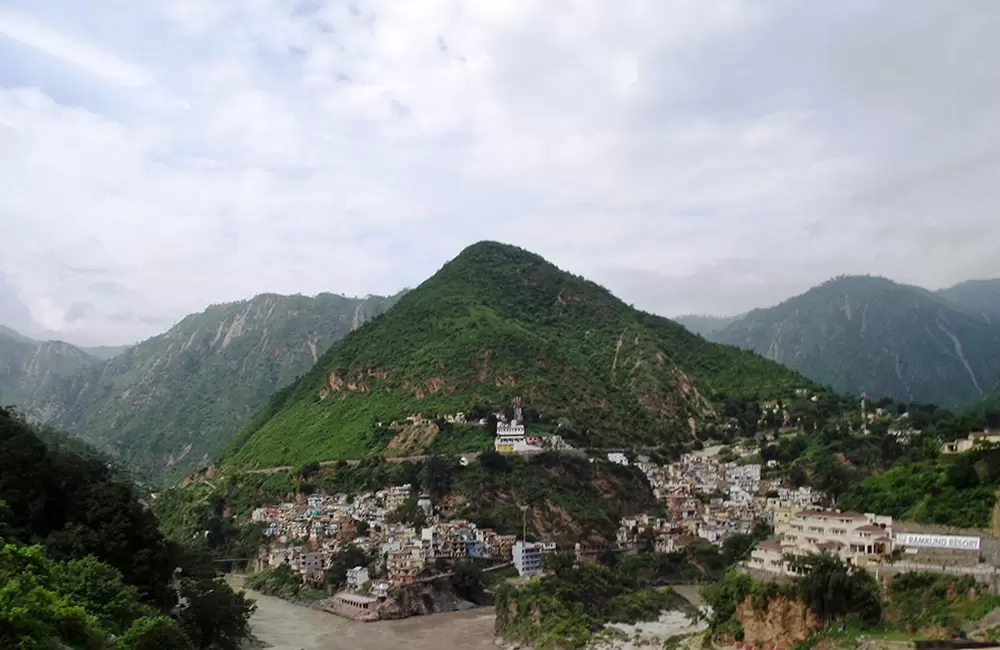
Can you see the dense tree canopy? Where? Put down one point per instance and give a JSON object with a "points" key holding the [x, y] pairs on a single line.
{"points": [[82, 559]]}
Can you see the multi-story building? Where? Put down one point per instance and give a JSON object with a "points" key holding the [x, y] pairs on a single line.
{"points": [[357, 577], [856, 538], [405, 564], [527, 558]]}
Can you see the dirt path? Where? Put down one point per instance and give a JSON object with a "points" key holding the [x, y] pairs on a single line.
{"points": [[281, 625]]}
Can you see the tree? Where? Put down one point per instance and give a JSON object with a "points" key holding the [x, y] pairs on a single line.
{"points": [[761, 530], [308, 469], [155, 633], [437, 473], [494, 462], [408, 512], [217, 616], [832, 590], [99, 588], [467, 581], [348, 558], [737, 548]]}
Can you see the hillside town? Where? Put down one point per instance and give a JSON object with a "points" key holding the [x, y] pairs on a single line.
{"points": [[706, 496]]}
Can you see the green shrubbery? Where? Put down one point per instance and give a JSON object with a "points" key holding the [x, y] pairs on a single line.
{"points": [[957, 490], [835, 592]]}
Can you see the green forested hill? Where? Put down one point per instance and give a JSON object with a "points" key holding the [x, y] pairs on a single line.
{"points": [[496, 322], [979, 296], [83, 564], [29, 368], [873, 335], [171, 403]]}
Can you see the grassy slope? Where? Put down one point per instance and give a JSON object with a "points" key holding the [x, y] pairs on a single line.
{"points": [[497, 322]]}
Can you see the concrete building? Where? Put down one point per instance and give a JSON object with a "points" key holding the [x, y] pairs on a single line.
{"points": [[405, 564], [618, 458], [357, 577], [511, 438], [858, 539], [527, 558], [311, 565], [963, 445]]}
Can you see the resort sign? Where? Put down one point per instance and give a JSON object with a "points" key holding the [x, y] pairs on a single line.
{"points": [[938, 541]]}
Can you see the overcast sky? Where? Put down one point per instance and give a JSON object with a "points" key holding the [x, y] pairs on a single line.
{"points": [[692, 156]]}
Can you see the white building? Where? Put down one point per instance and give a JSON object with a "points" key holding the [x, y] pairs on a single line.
{"points": [[511, 438], [978, 438], [357, 577], [527, 558], [618, 458], [856, 538]]}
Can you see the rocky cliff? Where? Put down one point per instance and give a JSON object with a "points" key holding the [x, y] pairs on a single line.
{"points": [[784, 622]]}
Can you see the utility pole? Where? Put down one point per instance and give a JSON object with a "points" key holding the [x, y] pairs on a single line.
{"points": [[524, 524]]}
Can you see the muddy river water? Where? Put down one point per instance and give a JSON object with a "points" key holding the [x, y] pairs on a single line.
{"points": [[281, 625]]}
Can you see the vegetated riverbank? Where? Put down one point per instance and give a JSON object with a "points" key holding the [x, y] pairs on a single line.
{"points": [[281, 625]]}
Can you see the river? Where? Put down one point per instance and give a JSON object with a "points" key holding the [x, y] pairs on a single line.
{"points": [[280, 625]]}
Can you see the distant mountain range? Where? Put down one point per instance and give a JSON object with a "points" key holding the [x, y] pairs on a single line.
{"points": [[269, 380], [869, 334], [169, 404], [494, 323]]}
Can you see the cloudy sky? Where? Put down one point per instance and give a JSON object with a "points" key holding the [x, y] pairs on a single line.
{"points": [[692, 156]]}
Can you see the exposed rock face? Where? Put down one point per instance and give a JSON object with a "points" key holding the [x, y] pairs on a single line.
{"points": [[420, 600], [783, 623]]}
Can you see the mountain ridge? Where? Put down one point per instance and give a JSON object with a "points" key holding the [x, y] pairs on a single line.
{"points": [[28, 368], [168, 404], [979, 296], [871, 334], [496, 322]]}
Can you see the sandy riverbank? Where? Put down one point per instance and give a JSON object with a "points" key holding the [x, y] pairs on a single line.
{"points": [[280, 625]]}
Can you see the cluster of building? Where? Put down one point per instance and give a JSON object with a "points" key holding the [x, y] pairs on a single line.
{"points": [[328, 518], [711, 500], [306, 536], [704, 497]]}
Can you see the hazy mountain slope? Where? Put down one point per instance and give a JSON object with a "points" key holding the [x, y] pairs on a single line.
{"points": [[29, 368], [496, 322], [978, 296], [171, 403], [105, 352], [871, 334], [704, 325]]}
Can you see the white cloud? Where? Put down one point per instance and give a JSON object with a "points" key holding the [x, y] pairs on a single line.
{"points": [[158, 157]]}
